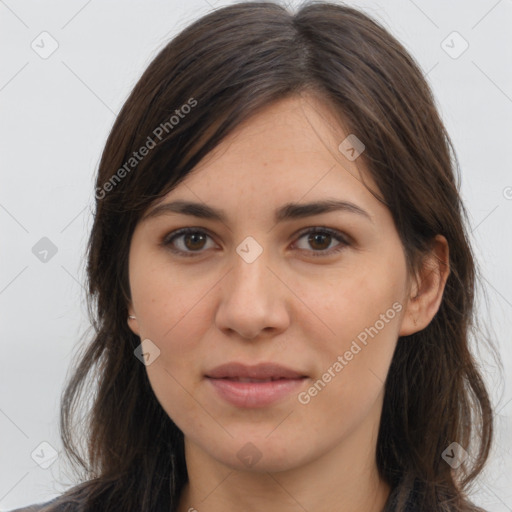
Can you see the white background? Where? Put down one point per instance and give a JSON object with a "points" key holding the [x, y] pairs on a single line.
{"points": [[56, 114]]}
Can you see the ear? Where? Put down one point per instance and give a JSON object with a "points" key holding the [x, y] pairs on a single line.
{"points": [[427, 289], [132, 322]]}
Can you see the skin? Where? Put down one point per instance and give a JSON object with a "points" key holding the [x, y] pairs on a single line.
{"points": [[288, 306]]}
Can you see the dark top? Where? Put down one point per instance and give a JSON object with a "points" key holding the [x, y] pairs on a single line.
{"points": [[36, 508], [411, 506]]}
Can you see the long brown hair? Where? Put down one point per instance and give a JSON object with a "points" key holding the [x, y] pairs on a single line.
{"points": [[205, 82]]}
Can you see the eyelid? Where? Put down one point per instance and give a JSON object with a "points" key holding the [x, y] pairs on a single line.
{"points": [[343, 239]]}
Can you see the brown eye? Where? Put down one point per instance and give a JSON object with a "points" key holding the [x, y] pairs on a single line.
{"points": [[319, 241], [187, 241], [194, 241]]}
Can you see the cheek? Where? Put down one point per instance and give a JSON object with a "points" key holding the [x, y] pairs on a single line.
{"points": [[362, 311], [170, 309], [350, 385], [354, 305], [169, 302], [175, 322]]}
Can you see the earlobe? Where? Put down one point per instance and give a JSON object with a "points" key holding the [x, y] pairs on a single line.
{"points": [[132, 322], [410, 319], [427, 293]]}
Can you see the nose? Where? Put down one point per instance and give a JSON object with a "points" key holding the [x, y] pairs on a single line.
{"points": [[254, 301]]}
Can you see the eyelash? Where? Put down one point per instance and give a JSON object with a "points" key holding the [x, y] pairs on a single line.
{"points": [[337, 235]]}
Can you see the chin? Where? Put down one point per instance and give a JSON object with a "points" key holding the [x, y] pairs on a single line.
{"points": [[260, 452]]}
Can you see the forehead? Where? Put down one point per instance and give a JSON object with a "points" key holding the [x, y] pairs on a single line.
{"points": [[285, 136], [287, 152]]}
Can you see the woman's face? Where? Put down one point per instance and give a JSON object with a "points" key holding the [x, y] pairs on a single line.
{"points": [[261, 288]]}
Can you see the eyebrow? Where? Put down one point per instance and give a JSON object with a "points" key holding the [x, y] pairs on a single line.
{"points": [[289, 211]]}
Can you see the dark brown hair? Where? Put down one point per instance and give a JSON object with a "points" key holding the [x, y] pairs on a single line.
{"points": [[215, 74]]}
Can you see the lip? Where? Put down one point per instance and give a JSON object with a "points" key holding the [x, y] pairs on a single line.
{"points": [[259, 371], [238, 383]]}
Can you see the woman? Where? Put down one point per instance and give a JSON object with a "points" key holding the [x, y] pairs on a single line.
{"points": [[282, 281]]}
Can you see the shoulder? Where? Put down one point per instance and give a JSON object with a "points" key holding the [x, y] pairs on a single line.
{"points": [[39, 507]]}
